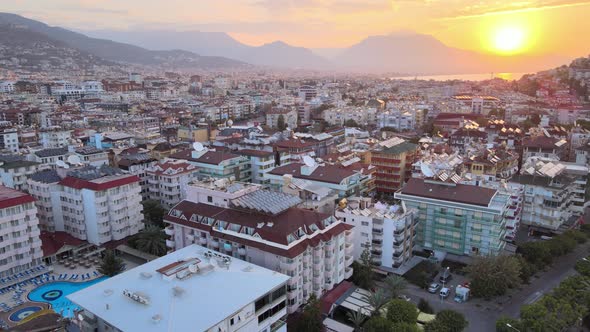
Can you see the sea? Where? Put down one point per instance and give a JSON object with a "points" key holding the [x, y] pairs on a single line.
{"points": [[463, 77]]}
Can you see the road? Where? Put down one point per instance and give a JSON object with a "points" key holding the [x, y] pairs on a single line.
{"points": [[482, 315]]}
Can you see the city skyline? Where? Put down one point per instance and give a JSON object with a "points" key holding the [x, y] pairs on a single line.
{"points": [[501, 29]]}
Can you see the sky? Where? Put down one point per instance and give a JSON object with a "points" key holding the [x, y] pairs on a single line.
{"points": [[505, 28]]}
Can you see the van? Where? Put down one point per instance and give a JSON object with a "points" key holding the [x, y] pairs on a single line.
{"points": [[445, 276], [445, 292]]}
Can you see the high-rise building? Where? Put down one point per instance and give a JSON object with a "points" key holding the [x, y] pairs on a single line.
{"points": [[393, 159]]}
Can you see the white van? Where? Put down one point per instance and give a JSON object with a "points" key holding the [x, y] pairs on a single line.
{"points": [[445, 292]]}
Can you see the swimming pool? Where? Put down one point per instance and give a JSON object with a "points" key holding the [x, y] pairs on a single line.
{"points": [[55, 294]]}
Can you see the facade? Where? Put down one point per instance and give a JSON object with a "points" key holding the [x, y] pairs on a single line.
{"points": [[387, 231], [393, 159], [9, 139], [192, 289], [261, 162], [460, 219], [54, 137], [289, 116], [544, 147], [167, 181], [97, 205], [265, 228], [217, 164], [14, 172], [138, 164], [20, 245], [93, 156]]}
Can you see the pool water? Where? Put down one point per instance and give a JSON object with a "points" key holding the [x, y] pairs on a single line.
{"points": [[55, 294]]}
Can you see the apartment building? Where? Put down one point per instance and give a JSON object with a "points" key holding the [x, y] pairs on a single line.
{"points": [[20, 245], [14, 171], [388, 231], [289, 118], [54, 137], [544, 147], [97, 205], [261, 162], [393, 159], [92, 156], [191, 289], [167, 181], [9, 139], [137, 164], [49, 156], [459, 219], [554, 194], [217, 164], [268, 229]]}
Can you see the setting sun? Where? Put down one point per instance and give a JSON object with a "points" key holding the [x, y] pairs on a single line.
{"points": [[509, 40]]}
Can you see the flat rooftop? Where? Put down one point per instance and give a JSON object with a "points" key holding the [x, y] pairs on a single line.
{"points": [[196, 302], [459, 193]]}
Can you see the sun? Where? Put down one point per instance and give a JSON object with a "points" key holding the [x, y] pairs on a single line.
{"points": [[509, 40]]}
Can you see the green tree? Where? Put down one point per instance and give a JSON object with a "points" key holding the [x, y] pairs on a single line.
{"points": [[406, 327], [501, 325], [536, 253], [583, 267], [447, 321], [425, 307], [111, 265], [492, 276], [376, 300], [363, 271], [394, 284], [151, 240], [350, 123], [311, 318], [281, 123], [378, 324], [400, 311], [153, 213], [356, 318]]}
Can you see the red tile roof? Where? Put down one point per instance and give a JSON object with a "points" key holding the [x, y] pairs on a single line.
{"points": [[334, 295], [52, 242], [10, 197], [77, 183]]}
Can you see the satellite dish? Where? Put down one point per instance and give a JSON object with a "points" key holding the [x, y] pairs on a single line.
{"points": [[309, 162], [66, 165], [230, 123], [198, 146], [74, 160], [60, 163], [80, 317], [193, 268]]}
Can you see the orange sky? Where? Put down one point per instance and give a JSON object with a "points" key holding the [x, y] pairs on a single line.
{"points": [[547, 26]]}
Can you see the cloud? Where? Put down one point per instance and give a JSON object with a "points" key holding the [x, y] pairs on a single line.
{"points": [[481, 9], [334, 6]]}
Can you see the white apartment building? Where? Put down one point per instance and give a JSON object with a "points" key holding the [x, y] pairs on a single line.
{"points": [[14, 171], [396, 119], [92, 156], [9, 139], [7, 86], [361, 115], [20, 245], [265, 228], [138, 164], [167, 181], [97, 205], [54, 137], [191, 289], [554, 194], [261, 162], [387, 231], [289, 116]]}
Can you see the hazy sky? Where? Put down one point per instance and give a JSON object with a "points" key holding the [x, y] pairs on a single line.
{"points": [[542, 26]]}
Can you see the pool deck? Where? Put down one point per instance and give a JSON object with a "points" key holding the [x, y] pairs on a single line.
{"points": [[58, 270]]}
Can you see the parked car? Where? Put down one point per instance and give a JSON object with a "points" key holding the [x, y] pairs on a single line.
{"points": [[404, 297], [433, 288], [445, 276], [445, 292]]}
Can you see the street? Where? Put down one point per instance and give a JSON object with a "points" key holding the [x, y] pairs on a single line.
{"points": [[482, 315]]}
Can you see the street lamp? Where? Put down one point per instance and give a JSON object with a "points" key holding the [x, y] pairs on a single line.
{"points": [[512, 327], [584, 259]]}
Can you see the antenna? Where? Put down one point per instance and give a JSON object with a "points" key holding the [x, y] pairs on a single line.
{"points": [[309, 162], [198, 146]]}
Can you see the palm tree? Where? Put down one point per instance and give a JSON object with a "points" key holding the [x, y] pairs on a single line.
{"points": [[394, 285], [151, 240], [376, 300], [111, 265], [356, 318]]}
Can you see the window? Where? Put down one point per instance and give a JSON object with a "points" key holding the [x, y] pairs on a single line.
{"points": [[210, 199]]}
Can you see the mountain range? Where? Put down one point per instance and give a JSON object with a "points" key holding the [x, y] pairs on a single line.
{"points": [[402, 53]]}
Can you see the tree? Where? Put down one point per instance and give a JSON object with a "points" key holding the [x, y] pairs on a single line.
{"points": [[363, 272], [154, 213], [356, 318], [394, 284], [406, 327], [376, 300], [311, 319], [425, 307], [378, 324], [492, 276], [536, 253], [151, 240], [350, 123], [281, 123], [400, 311], [447, 321], [111, 265], [501, 325]]}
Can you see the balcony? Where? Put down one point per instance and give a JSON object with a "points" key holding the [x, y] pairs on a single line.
{"points": [[288, 266], [348, 260], [242, 251], [292, 294], [227, 247], [214, 244], [203, 241], [348, 247], [170, 244], [348, 272], [169, 230]]}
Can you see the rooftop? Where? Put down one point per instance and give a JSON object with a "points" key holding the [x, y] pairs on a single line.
{"points": [[51, 152], [459, 193], [327, 173], [182, 301], [10, 197]]}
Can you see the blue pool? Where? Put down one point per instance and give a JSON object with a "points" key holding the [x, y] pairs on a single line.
{"points": [[55, 294]]}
